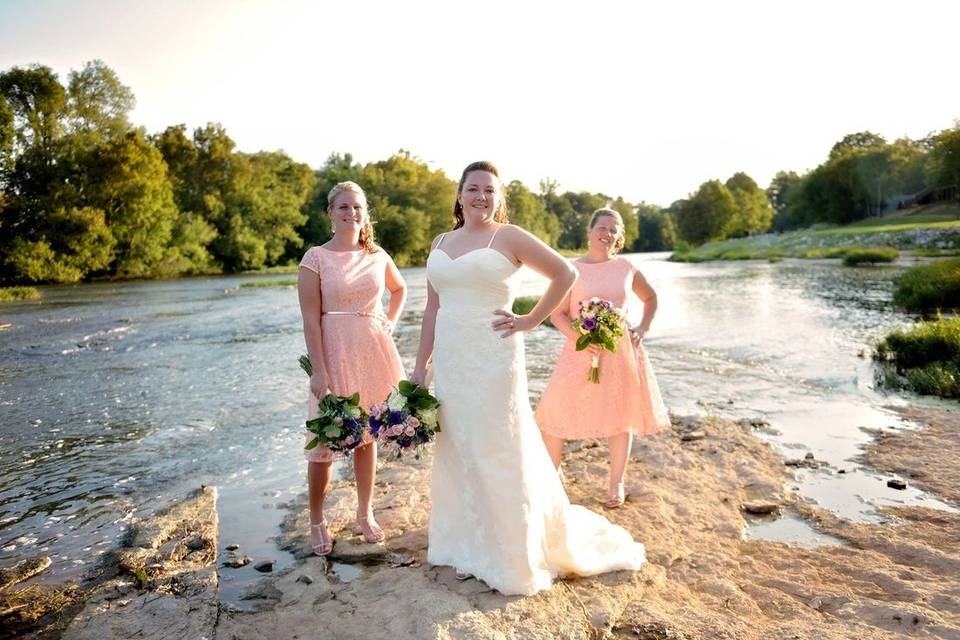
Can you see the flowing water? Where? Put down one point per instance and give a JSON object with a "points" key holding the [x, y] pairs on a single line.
{"points": [[118, 398]]}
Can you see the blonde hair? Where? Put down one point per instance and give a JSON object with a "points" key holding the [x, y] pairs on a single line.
{"points": [[604, 211], [500, 215], [367, 239]]}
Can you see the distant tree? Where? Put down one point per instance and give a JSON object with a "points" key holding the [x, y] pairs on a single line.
{"points": [[779, 194], [859, 141], [38, 102], [754, 213], [656, 229], [629, 214], [943, 167], [98, 104], [527, 210], [706, 214]]}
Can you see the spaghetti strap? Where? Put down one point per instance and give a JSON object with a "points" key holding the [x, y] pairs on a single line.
{"points": [[489, 244], [440, 241]]}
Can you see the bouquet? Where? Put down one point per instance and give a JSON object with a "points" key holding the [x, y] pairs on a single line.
{"points": [[601, 324], [406, 420], [341, 422]]}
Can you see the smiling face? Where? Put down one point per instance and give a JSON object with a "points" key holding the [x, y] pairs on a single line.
{"points": [[606, 233], [480, 196], [348, 213]]}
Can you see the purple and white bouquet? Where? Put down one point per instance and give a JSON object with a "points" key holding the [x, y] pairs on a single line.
{"points": [[598, 323], [406, 420], [341, 422], [340, 425]]}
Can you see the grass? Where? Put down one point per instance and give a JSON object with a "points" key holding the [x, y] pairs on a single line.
{"points": [[277, 282], [869, 255], [926, 357], [12, 294], [281, 268], [934, 228], [524, 304], [929, 287]]}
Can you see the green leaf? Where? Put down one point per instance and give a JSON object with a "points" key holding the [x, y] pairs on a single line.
{"points": [[355, 399], [583, 342], [406, 387], [313, 443]]}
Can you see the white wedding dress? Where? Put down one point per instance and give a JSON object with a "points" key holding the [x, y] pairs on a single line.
{"points": [[498, 510]]}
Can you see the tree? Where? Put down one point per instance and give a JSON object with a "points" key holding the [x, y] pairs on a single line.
{"points": [[779, 194], [656, 229], [97, 102], [706, 214], [943, 167], [754, 213], [38, 102], [859, 141], [628, 212], [528, 211]]}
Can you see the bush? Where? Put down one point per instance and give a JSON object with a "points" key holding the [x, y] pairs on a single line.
{"points": [[10, 294], [928, 287], [869, 255], [278, 282], [523, 305], [927, 355]]}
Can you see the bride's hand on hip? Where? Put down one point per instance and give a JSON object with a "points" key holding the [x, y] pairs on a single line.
{"points": [[508, 323]]}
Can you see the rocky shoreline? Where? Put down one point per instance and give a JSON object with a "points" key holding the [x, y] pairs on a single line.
{"points": [[691, 490]]}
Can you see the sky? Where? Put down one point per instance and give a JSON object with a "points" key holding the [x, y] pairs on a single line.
{"points": [[638, 99]]}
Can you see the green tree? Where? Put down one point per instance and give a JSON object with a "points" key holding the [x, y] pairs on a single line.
{"points": [[38, 102], [779, 195], [656, 229], [754, 213], [706, 214], [630, 223], [859, 141], [943, 166], [527, 210], [98, 103]]}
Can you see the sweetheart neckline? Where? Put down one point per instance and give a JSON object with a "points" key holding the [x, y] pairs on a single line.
{"points": [[452, 259]]}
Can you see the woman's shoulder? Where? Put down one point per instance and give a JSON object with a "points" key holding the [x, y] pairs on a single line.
{"points": [[312, 259]]}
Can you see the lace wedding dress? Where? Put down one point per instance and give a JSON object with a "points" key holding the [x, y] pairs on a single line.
{"points": [[499, 511]]}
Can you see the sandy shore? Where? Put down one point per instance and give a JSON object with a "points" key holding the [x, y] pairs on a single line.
{"points": [[688, 492]]}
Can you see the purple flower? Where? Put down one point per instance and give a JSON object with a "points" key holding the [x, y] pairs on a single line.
{"points": [[395, 417], [589, 324]]}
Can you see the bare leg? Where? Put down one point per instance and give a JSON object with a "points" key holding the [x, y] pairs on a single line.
{"points": [[619, 446], [554, 447], [318, 480], [365, 471]]}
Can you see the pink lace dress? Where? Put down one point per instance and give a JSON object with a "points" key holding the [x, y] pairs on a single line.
{"points": [[627, 399], [359, 354]]}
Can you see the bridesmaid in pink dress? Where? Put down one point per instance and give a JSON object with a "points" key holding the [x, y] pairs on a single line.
{"points": [[627, 399], [348, 341]]}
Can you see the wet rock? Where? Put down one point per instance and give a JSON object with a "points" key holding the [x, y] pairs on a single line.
{"points": [[896, 483], [305, 579], [233, 547], [237, 560], [760, 507], [691, 436], [23, 570], [809, 457], [264, 566]]}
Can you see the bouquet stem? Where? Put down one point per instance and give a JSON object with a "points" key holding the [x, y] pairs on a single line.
{"points": [[594, 376]]}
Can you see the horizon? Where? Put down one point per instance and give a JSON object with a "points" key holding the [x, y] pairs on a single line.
{"points": [[741, 89]]}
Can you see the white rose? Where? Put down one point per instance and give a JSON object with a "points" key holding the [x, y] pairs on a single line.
{"points": [[396, 402], [354, 412], [429, 417]]}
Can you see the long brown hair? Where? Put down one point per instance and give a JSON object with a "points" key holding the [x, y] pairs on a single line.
{"points": [[618, 243], [500, 215], [367, 239]]}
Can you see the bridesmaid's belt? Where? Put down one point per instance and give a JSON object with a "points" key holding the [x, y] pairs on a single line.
{"points": [[364, 314]]}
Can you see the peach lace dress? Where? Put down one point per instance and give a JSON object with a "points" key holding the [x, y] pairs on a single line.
{"points": [[627, 399], [359, 354]]}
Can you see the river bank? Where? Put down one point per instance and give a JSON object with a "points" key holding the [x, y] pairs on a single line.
{"points": [[929, 231], [691, 490]]}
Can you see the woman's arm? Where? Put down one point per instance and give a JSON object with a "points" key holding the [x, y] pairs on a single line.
{"points": [[308, 290], [427, 331], [398, 292], [529, 250], [649, 298], [562, 321]]}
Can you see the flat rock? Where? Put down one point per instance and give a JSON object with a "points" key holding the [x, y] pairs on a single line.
{"points": [[758, 507], [897, 483], [696, 434], [264, 566], [236, 560]]}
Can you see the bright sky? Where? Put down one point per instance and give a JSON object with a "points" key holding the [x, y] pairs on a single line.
{"points": [[640, 99]]}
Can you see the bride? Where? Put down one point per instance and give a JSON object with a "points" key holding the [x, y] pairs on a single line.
{"points": [[498, 511]]}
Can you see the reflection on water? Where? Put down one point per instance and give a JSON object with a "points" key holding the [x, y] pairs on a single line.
{"points": [[116, 397]]}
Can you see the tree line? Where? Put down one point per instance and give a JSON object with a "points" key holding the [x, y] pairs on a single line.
{"points": [[84, 193]]}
